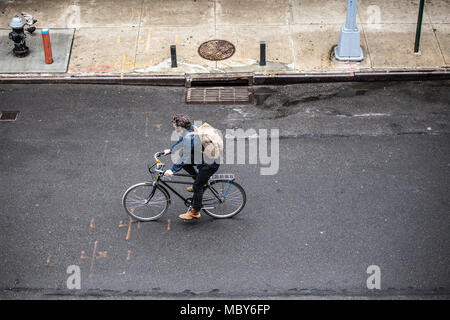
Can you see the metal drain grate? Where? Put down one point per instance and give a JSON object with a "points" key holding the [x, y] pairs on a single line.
{"points": [[224, 95], [9, 115]]}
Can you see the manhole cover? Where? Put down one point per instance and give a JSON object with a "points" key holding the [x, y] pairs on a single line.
{"points": [[216, 50]]}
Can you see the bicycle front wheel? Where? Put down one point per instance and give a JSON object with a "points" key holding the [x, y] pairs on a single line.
{"points": [[145, 202], [232, 199]]}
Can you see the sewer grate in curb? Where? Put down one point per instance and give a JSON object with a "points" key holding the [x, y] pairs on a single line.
{"points": [[9, 115], [220, 95]]}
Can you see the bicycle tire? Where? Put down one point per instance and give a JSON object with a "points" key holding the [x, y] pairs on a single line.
{"points": [[149, 191], [239, 199]]}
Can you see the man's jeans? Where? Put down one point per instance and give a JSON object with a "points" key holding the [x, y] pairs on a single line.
{"points": [[201, 178]]}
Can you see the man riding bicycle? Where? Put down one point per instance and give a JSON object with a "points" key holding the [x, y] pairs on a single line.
{"points": [[191, 155]]}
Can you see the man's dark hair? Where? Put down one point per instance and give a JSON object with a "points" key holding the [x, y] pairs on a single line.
{"points": [[182, 120]]}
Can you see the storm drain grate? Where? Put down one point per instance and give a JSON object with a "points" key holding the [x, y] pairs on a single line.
{"points": [[9, 115], [225, 95]]}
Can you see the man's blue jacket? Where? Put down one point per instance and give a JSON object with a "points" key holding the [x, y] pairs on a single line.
{"points": [[191, 153]]}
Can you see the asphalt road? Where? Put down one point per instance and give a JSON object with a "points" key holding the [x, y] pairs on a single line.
{"points": [[363, 180]]}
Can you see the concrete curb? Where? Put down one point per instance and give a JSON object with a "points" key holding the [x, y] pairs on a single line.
{"points": [[279, 79], [347, 77], [113, 80]]}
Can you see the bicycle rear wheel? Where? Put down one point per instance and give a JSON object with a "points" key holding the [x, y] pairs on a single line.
{"points": [[145, 202], [232, 195]]}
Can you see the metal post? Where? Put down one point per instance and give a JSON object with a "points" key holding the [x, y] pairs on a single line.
{"points": [[348, 47], [262, 53], [350, 19], [419, 26], [173, 55], [47, 46]]}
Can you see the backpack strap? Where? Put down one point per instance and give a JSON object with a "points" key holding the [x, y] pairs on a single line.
{"points": [[193, 132], [192, 144]]}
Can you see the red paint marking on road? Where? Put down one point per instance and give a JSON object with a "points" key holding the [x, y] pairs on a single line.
{"points": [[129, 227], [130, 222], [102, 254], [83, 255], [121, 224], [91, 273]]}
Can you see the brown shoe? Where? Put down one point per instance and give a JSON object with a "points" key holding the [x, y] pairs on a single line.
{"points": [[191, 188], [190, 215]]}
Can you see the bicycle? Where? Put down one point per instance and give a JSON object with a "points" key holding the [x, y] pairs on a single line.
{"points": [[147, 201]]}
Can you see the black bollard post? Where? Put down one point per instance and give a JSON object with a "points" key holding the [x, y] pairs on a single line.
{"points": [[173, 55], [262, 53]]}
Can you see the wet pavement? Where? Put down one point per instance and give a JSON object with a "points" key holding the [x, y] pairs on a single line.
{"points": [[363, 180]]}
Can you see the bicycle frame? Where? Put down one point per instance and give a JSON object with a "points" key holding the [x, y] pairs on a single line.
{"points": [[186, 200], [160, 165], [213, 204]]}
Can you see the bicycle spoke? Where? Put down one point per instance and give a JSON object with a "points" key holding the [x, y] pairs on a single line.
{"points": [[157, 201], [145, 203], [232, 195], [136, 198], [232, 199], [157, 204], [136, 204], [237, 196]]}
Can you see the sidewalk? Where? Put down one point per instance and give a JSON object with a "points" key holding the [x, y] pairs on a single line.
{"points": [[114, 37]]}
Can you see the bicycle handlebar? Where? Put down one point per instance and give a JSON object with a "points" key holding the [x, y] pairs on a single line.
{"points": [[159, 164]]}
